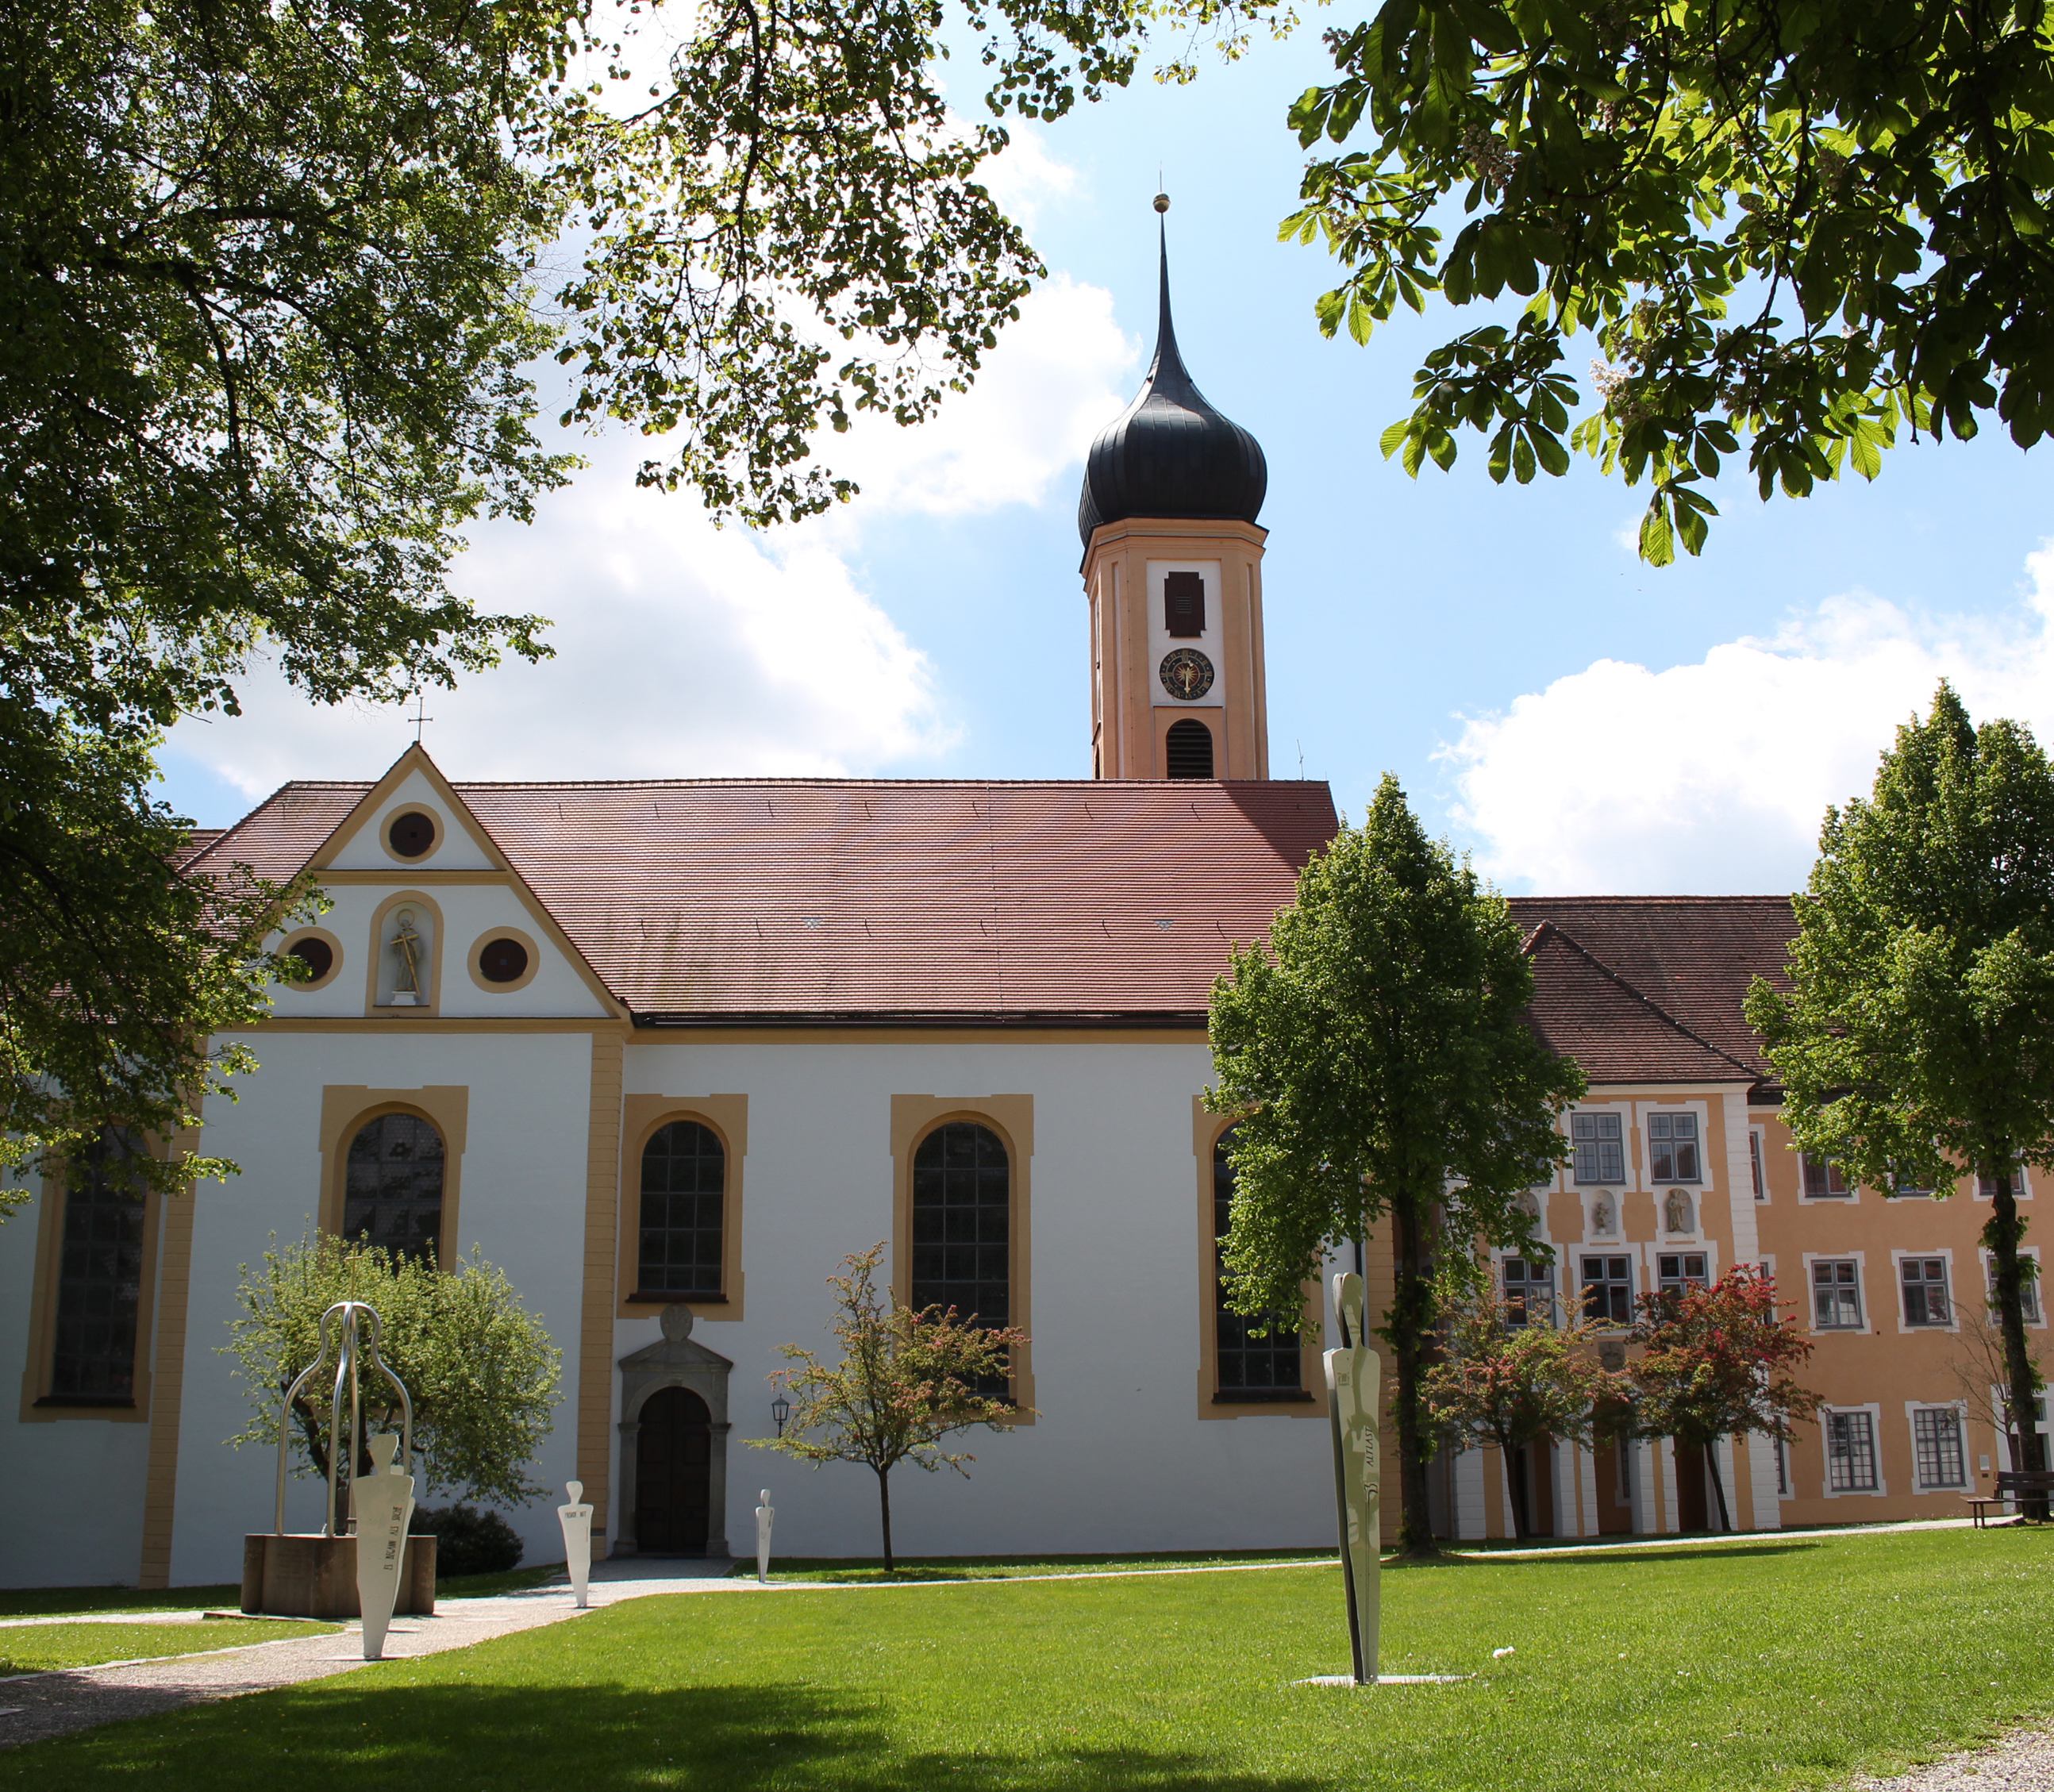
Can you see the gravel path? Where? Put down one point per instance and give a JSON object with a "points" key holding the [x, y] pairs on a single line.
{"points": [[2021, 1762], [33, 1707]]}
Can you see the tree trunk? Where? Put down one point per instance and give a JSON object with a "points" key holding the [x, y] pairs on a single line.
{"points": [[2002, 1235], [884, 1512], [1518, 1475], [1411, 1319], [1718, 1485]]}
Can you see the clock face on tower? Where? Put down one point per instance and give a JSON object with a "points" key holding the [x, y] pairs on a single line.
{"points": [[1186, 673]]}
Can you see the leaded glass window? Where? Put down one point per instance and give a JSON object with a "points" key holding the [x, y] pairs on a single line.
{"points": [[1936, 1436], [392, 1195], [100, 1275], [963, 1221], [1249, 1368], [1851, 1453], [684, 1194]]}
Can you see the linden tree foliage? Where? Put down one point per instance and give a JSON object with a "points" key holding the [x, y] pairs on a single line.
{"points": [[1378, 1055], [273, 280], [1805, 226], [1914, 1045]]}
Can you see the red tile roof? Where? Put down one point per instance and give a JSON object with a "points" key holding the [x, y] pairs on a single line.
{"points": [[1689, 958], [789, 901]]}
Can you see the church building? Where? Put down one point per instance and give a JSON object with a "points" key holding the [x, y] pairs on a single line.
{"points": [[666, 1052]]}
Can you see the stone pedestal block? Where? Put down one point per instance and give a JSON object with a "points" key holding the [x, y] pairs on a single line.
{"points": [[316, 1576]]}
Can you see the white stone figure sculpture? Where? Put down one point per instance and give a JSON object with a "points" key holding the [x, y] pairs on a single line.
{"points": [[765, 1513], [1528, 1203], [406, 986], [577, 1520], [1601, 1215], [1677, 1211], [385, 1503], [1352, 1375]]}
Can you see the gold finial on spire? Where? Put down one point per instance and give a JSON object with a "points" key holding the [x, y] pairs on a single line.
{"points": [[1162, 202]]}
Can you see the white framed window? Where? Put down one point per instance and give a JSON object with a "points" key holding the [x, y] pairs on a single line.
{"points": [[1851, 1464], [1939, 1460], [1836, 1303], [1600, 1147], [1923, 1281], [1608, 1289], [1529, 1291], [1823, 1180], [1901, 1189], [2029, 1288], [2021, 1186], [1679, 1269], [1757, 1165], [1672, 1148]]}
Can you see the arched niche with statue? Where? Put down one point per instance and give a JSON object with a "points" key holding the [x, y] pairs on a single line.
{"points": [[674, 1428]]}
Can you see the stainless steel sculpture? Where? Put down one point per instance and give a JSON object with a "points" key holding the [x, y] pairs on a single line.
{"points": [[351, 1318], [381, 1502], [1353, 1371]]}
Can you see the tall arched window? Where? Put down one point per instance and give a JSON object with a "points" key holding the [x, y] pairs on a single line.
{"points": [[1265, 1368], [684, 1190], [962, 1216], [100, 1276], [392, 1191]]}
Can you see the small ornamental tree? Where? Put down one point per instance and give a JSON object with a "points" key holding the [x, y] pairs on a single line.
{"points": [[1717, 1362], [1913, 1043], [1379, 1054], [478, 1366], [1512, 1379], [906, 1380]]}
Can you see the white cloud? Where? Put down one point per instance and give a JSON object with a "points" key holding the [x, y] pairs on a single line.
{"points": [[1713, 777], [1058, 376], [684, 650]]}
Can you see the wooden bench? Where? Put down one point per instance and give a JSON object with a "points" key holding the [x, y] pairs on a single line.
{"points": [[2012, 1484]]}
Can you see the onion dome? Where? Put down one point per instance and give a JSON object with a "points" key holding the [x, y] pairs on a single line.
{"points": [[1170, 454]]}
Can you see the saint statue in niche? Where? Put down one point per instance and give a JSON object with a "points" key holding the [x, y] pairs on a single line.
{"points": [[1601, 1215], [407, 942], [1676, 1211], [1529, 1204]]}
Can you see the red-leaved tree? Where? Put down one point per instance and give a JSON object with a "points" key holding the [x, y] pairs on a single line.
{"points": [[1718, 1362]]}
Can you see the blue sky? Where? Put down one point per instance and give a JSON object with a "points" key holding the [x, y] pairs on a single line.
{"points": [[1578, 721]]}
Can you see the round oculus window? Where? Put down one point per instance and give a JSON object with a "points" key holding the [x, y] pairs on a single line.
{"points": [[316, 954], [502, 961], [411, 833]]}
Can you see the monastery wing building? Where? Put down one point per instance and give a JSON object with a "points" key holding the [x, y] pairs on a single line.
{"points": [[666, 1052]]}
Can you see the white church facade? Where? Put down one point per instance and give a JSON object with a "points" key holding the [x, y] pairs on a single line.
{"points": [[666, 1052]]}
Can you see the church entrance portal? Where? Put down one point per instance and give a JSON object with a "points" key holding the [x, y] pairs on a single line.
{"points": [[673, 1474]]}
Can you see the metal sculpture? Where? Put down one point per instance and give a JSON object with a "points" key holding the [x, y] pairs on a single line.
{"points": [[575, 1518], [382, 1501], [1352, 1376]]}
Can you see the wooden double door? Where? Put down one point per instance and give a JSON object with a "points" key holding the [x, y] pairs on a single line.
{"points": [[673, 1474]]}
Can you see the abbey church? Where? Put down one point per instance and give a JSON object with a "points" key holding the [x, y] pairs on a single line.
{"points": [[666, 1052]]}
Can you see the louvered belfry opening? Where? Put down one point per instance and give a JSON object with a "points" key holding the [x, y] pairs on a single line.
{"points": [[1189, 749], [1184, 605]]}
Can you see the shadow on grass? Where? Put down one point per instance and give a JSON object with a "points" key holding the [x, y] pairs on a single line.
{"points": [[61, 1602], [603, 1737], [1598, 1557]]}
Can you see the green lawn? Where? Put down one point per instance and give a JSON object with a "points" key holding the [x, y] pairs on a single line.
{"points": [[1757, 1665], [69, 1601], [36, 1647], [842, 1571]]}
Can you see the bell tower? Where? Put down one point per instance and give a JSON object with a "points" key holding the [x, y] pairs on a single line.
{"points": [[1173, 571]]}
